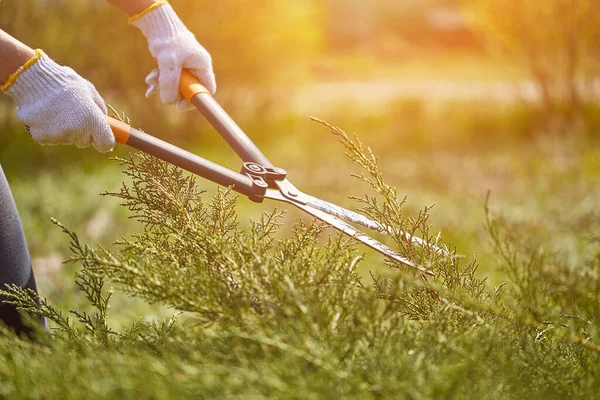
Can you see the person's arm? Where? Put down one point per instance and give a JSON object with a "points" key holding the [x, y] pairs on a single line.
{"points": [[13, 54], [56, 104], [173, 47]]}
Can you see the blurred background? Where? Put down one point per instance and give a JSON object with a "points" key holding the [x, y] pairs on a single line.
{"points": [[457, 98]]}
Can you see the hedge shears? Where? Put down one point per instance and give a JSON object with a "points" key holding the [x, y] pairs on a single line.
{"points": [[259, 179]]}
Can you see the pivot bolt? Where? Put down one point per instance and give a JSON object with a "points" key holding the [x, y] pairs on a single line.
{"points": [[254, 167], [260, 183]]}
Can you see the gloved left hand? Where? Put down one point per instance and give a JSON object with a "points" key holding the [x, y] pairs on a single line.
{"points": [[174, 47]]}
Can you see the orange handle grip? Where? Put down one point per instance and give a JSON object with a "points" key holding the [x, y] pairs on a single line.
{"points": [[189, 86], [120, 129]]}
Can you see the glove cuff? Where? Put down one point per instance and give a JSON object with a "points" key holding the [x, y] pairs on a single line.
{"points": [[42, 76], [158, 21], [12, 78]]}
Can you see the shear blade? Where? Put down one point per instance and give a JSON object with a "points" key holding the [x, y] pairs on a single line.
{"points": [[360, 219], [347, 229]]}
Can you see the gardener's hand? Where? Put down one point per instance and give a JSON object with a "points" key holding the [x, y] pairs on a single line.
{"points": [[174, 47], [60, 107]]}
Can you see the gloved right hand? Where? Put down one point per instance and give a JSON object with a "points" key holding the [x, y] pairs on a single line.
{"points": [[60, 107], [174, 48]]}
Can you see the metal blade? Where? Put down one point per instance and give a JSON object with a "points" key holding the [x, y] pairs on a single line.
{"points": [[360, 219], [347, 229]]}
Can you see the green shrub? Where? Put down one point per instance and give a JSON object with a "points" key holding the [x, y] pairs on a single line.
{"points": [[270, 314]]}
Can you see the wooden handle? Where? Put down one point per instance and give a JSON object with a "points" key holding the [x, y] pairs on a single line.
{"points": [[120, 129], [189, 86]]}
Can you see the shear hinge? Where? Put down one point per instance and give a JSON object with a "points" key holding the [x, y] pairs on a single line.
{"points": [[262, 178]]}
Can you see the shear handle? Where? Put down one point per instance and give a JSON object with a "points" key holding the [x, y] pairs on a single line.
{"points": [[243, 184], [235, 137]]}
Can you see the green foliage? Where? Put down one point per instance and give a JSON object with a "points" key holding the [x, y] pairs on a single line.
{"points": [[268, 314]]}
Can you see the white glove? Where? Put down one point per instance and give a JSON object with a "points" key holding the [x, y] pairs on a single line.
{"points": [[60, 107], [174, 47]]}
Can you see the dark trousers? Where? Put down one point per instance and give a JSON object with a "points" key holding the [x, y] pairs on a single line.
{"points": [[15, 263]]}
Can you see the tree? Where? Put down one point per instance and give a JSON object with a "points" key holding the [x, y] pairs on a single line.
{"points": [[556, 41]]}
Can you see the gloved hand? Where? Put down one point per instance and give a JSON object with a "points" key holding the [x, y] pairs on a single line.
{"points": [[60, 107], [174, 47]]}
